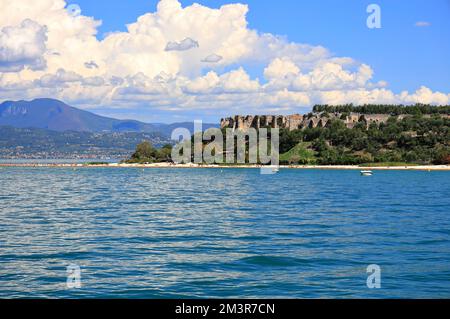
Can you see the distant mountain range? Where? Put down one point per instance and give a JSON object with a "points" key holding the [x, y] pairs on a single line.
{"points": [[51, 129], [57, 116]]}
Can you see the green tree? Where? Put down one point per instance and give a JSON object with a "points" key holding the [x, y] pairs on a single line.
{"points": [[164, 154], [145, 152]]}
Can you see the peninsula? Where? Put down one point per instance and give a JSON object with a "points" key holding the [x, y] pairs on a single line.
{"points": [[339, 137]]}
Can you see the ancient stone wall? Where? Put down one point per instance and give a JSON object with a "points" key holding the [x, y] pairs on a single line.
{"points": [[297, 121]]}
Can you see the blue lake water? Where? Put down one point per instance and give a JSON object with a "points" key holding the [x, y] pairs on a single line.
{"points": [[178, 233], [56, 161]]}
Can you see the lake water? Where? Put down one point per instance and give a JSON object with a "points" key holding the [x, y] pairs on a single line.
{"points": [[178, 233], [55, 161]]}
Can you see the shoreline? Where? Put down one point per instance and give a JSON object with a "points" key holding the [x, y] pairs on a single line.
{"points": [[197, 166]]}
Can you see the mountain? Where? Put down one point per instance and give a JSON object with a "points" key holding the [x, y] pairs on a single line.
{"points": [[57, 116], [167, 129]]}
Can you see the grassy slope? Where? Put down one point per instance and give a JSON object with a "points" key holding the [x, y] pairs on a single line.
{"points": [[299, 154]]}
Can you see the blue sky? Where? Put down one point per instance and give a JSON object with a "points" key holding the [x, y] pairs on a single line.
{"points": [[215, 58], [404, 55]]}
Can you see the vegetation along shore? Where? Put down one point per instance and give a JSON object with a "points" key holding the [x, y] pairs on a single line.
{"points": [[371, 136], [340, 137]]}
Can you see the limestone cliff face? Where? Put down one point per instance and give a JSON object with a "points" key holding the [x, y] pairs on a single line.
{"points": [[297, 121]]}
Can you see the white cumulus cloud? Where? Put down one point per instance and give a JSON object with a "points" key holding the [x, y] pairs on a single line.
{"points": [[177, 59], [22, 46]]}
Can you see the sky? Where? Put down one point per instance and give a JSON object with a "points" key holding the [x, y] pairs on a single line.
{"points": [[170, 60]]}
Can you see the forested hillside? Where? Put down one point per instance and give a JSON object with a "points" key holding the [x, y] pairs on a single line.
{"points": [[414, 139]]}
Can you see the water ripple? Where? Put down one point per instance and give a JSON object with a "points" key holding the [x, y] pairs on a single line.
{"points": [[171, 233]]}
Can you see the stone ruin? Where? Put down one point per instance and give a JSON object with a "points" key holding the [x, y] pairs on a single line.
{"points": [[297, 121]]}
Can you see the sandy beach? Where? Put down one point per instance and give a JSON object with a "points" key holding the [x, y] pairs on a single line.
{"points": [[169, 165]]}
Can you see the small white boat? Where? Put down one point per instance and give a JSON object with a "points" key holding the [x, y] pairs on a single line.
{"points": [[366, 173]]}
